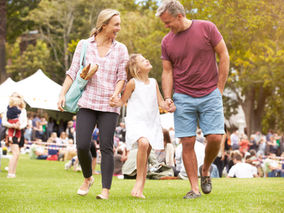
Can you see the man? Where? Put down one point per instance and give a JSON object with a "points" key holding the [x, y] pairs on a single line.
{"points": [[242, 170], [189, 67]]}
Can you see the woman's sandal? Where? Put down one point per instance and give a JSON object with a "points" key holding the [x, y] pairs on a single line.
{"points": [[85, 192], [101, 197]]}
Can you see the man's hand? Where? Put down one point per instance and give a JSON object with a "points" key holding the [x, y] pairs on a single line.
{"points": [[170, 106]]}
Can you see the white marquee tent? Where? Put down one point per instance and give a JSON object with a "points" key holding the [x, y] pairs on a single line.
{"points": [[38, 91], [6, 89]]}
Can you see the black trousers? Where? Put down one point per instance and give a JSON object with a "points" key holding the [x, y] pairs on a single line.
{"points": [[87, 119]]}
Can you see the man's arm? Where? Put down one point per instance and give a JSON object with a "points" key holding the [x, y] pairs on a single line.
{"points": [[224, 64], [167, 79], [167, 85]]}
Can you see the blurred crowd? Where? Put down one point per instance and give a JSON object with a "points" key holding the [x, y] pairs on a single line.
{"points": [[260, 155]]}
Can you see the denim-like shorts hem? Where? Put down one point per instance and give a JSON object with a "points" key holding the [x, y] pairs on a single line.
{"points": [[218, 132], [184, 135]]}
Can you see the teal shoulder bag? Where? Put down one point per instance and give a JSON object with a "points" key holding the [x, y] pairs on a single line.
{"points": [[75, 91]]}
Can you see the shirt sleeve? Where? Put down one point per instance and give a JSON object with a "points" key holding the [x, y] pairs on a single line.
{"points": [[75, 65], [254, 170], [5, 120], [23, 119], [232, 171], [214, 34], [124, 57], [165, 55]]}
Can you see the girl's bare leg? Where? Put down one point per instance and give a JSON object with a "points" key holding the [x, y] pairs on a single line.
{"points": [[145, 171], [142, 158]]}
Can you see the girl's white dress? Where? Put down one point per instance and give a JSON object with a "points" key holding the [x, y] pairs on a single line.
{"points": [[143, 117]]}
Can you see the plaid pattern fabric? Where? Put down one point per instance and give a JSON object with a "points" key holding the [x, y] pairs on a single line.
{"points": [[102, 85]]}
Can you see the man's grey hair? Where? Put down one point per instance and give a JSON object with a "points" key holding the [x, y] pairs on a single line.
{"points": [[172, 6]]}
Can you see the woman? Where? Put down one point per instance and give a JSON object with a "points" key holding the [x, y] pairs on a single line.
{"points": [[106, 83], [15, 144]]}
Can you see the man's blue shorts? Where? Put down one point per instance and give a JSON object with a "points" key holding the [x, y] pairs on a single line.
{"points": [[207, 111]]}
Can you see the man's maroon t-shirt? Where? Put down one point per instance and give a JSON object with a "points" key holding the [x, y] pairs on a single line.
{"points": [[192, 56]]}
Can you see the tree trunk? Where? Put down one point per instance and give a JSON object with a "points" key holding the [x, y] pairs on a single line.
{"points": [[253, 108], [3, 31]]}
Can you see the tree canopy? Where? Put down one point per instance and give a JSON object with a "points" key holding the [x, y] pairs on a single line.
{"points": [[252, 30]]}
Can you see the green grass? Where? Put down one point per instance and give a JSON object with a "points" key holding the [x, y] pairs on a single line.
{"points": [[44, 186]]}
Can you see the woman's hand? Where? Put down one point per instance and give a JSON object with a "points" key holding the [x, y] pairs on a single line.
{"points": [[115, 101], [61, 103], [16, 125]]}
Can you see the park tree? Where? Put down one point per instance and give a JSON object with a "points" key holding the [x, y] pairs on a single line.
{"points": [[253, 31], [23, 64], [142, 33], [3, 32], [12, 25], [63, 23]]}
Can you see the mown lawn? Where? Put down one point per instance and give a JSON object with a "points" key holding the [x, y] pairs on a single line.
{"points": [[44, 186]]}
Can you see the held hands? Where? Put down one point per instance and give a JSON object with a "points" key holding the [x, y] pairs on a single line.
{"points": [[115, 101], [168, 105]]}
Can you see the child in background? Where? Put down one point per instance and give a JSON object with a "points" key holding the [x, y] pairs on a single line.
{"points": [[13, 113], [143, 126]]}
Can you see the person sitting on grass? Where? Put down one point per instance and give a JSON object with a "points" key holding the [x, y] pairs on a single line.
{"points": [[75, 163], [120, 156], [53, 149], [242, 170], [166, 155], [37, 152]]}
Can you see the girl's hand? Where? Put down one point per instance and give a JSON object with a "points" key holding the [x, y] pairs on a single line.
{"points": [[172, 107], [61, 103], [114, 101]]}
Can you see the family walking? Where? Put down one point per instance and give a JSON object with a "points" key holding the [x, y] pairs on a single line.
{"points": [[192, 85]]}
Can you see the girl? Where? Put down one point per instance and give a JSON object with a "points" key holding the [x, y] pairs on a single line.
{"points": [[13, 113], [143, 127]]}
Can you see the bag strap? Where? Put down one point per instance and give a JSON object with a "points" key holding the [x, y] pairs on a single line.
{"points": [[83, 54]]}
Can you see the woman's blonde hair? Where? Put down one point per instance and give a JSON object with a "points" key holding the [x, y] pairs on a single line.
{"points": [[103, 19], [17, 100], [132, 68]]}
